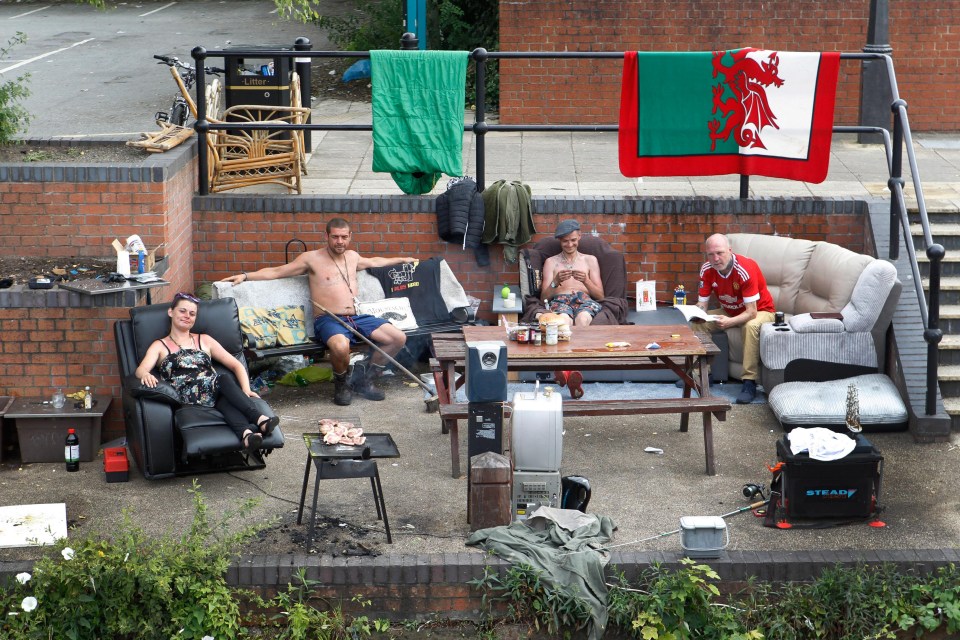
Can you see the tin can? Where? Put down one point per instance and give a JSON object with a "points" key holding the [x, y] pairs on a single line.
{"points": [[778, 319], [552, 333]]}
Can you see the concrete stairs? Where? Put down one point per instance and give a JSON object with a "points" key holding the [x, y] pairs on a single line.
{"points": [[945, 227]]}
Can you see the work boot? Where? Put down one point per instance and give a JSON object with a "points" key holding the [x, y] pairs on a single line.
{"points": [[747, 392], [341, 390], [363, 376]]}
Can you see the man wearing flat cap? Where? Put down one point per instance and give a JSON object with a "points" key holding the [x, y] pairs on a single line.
{"points": [[572, 288]]}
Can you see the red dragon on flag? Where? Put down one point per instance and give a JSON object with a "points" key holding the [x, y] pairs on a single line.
{"points": [[742, 111], [748, 111]]}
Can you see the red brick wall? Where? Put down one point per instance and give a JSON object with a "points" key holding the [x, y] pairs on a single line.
{"points": [[47, 347], [662, 247], [923, 35]]}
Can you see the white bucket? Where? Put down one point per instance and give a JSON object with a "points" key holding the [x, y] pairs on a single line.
{"points": [[703, 536]]}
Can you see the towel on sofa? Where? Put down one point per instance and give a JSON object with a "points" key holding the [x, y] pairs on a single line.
{"points": [[418, 103]]}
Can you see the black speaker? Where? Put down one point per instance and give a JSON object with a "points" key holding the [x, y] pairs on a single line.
{"points": [[486, 371]]}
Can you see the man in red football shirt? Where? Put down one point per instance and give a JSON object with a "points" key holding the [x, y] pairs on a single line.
{"points": [[745, 302]]}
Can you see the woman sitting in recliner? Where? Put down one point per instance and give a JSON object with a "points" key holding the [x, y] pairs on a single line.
{"points": [[185, 361]]}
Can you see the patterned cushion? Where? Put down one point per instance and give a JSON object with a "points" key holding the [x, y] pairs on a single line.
{"points": [[290, 324], [265, 328], [809, 404], [257, 328]]}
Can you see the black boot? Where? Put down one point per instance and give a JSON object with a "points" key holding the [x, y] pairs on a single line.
{"points": [[364, 375], [341, 390]]}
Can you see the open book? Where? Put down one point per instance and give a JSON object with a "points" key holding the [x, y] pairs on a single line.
{"points": [[692, 312]]}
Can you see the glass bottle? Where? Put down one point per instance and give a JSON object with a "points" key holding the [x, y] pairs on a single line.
{"points": [[71, 451], [87, 398]]}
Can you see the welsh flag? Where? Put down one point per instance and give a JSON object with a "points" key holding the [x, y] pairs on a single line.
{"points": [[742, 111]]}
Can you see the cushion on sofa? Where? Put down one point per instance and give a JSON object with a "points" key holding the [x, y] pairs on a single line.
{"points": [[783, 261], [829, 279], [869, 295], [824, 404]]}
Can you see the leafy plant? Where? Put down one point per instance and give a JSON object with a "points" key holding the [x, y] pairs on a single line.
{"points": [[530, 600], [302, 616], [131, 586], [676, 605], [13, 117], [452, 25]]}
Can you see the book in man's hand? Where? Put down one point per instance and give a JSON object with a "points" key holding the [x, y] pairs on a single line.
{"points": [[693, 313]]}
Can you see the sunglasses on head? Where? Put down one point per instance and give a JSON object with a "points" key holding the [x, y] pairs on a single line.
{"points": [[186, 296]]}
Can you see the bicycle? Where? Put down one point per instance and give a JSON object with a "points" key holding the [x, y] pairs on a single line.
{"points": [[183, 106]]}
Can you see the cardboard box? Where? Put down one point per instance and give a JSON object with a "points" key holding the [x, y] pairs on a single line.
{"points": [[128, 255]]}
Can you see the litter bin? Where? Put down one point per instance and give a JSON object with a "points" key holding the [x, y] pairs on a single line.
{"points": [[258, 80]]}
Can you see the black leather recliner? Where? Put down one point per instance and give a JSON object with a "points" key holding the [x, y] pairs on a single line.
{"points": [[168, 439]]}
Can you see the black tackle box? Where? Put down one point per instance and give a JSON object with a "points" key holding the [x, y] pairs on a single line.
{"points": [[844, 488]]}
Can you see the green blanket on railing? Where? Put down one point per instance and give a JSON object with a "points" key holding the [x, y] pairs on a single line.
{"points": [[418, 103]]}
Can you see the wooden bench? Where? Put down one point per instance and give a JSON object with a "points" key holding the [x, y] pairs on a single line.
{"points": [[451, 414], [295, 291]]}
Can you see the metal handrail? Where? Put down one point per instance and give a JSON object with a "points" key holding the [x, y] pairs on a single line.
{"points": [[901, 139]]}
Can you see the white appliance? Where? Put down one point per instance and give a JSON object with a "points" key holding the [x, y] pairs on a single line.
{"points": [[537, 431], [534, 489]]}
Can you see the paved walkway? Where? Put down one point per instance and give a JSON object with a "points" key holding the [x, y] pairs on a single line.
{"points": [[585, 164]]}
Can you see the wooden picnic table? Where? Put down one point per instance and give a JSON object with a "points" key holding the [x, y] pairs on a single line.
{"points": [[680, 349]]}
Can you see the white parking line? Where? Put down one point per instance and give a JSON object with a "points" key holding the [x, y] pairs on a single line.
{"points": [[45, 55], [20, 15], [166, 6]]}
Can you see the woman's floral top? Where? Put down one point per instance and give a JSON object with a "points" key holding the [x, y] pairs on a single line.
{"points": [[190, 371]]}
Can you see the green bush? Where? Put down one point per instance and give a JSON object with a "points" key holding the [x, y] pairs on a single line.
{"points": [[131, 586], [452, 25], [13, 117], [864, 602]]}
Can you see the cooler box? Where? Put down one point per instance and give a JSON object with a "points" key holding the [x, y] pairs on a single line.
{"points": [[537, 431], [845, 488], [115, 464]]}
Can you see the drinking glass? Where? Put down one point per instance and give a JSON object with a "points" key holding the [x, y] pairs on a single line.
{"points": [[59, 399]]}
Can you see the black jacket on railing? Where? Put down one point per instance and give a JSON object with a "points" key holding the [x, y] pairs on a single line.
{"points": [[460, 216]]}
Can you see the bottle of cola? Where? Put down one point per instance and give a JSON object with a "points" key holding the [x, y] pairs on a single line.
{"points": [[71, 452]]}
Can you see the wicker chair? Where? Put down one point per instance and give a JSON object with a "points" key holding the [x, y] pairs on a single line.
{"points": [[247, 157]]}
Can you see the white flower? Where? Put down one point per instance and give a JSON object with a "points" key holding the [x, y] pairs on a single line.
{"points": [[29, 604], [23, 578], [67, 553]]}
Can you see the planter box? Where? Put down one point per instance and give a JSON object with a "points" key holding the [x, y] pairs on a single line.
{"points": [[41, 429], [5, 402]]}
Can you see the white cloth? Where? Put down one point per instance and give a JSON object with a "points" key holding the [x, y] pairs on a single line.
{"points": [[820, 443]]}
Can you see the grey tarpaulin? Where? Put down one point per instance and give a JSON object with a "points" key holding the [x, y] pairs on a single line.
{"points": [[545, 542]]}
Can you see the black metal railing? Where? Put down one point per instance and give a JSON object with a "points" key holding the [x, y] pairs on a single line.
{"points": [[894, 148]]}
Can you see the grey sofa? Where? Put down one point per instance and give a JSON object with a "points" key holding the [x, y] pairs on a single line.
{"points": [[812, 277]]}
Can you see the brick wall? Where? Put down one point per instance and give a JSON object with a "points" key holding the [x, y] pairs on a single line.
{"points": [[659, 245], [923, 35], [60, 339]]}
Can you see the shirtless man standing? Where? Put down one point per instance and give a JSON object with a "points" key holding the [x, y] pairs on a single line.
{"points": [[572, 288], [332, 274]]}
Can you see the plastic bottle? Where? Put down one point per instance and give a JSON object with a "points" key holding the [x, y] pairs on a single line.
{"points": [[141, 261], [87, 398], [71, 452]]}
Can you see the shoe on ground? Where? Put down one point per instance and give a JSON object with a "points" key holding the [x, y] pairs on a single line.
{"points": [[364, 375], [342, 396], [747, 392], [560, 377], [575, 384]]}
